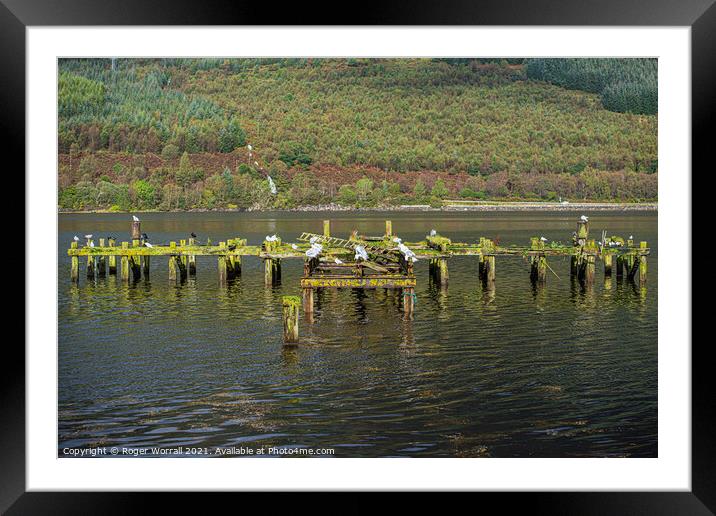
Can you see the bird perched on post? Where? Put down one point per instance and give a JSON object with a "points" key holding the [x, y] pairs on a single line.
{"points": [[135, 218], [543, 239], [433, 232], [584, 218], [360, 253], [76, 238]]}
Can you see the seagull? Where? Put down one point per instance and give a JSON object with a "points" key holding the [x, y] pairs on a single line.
{"points": [[294, 246], [433, 232], [360, 253], [339, 262], [313, 239], [584, 218], [135, 218], [272, 185], [88, 237], [314, 251], [631, 237], [76, 238], [91, 244], [147, 244], [409, 254], [250, 147], [397, 240], [271, 238], [543, 239]]}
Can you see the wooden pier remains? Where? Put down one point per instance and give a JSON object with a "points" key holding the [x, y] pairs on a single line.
{"points": [[384, 263]]}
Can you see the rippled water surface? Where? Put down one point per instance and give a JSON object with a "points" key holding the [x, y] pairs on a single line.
{"points": [[554, 372]]}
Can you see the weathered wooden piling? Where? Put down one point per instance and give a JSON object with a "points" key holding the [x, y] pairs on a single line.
{"points": [[481, 267], [222, 265], [573, 266], [75, 268], [290, 319], [90, 262], [620, 267], [136, 230], [184, 258], [608, 258], [490, 271], [112, 259], [308, 300], [134, 263], [642, 264], [408, 300], [326, 228], [589, 269], [145, 266], [125, 264], [388, 228], [101, 262], [192, 259], [442, 271]]}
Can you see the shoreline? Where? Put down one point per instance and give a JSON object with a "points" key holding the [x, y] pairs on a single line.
{"points": [[456, 206]]}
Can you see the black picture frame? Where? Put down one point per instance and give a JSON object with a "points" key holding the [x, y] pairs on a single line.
{"points": [[700, 15]]}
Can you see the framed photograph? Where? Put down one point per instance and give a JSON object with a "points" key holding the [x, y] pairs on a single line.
{"points": [[419, 252]]}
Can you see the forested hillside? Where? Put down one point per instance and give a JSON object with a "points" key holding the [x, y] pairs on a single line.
{"points": [[175, 133]]}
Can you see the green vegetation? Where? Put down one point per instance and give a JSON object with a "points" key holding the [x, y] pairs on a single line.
{"points": [[625, 85], [172, 133]]}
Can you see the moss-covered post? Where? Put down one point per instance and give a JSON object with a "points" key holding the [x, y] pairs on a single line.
{"points": [[608, 257], [573, 265], [388, 228], [183, 258], [101, 262], [589, 269], [620, 267], [75, 269], [408, 300], [112, 260], [629, 265], [326, 228], [145, 266], [136, 230], [192, 259], [290, 319], [230, 272], [125, 264], [642, 264], [481, 266], [490, 272], [582, 232], [442, 271], [134, 263], [222, 265], [308, 300], [172, 263], [90, 261]]}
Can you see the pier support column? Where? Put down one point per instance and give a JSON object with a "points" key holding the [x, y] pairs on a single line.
{"points": [[481, 267], [134, 263], [125, 264], [573, 266], [290, 319], [184, 259], [101, 262], [642, 265], [308, 300], [172, 268], [589, 269], [90, 263], [192, 259], [145, 266], [608, 265], [136, 230], [272, 271], [408, 300], [75, 268], [112, 260], [442, 271], [490, 272], [326, 228], [538, 269], [620, 267], [388, 229]]}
